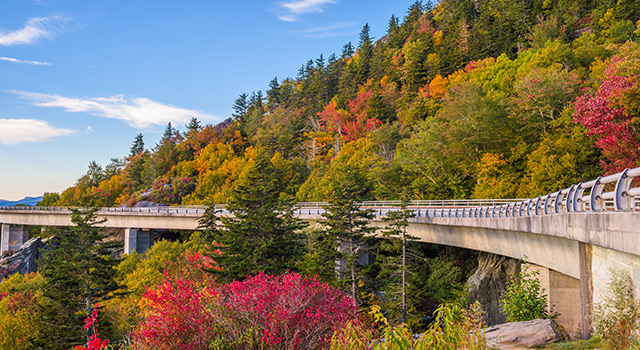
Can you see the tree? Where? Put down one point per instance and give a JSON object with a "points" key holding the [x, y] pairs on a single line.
{"points": [[348, 224], [138, 145], [240, 106], [168, 132], [365, 53], [194, 125], [78, 276], [395, 240], [263, 234]]}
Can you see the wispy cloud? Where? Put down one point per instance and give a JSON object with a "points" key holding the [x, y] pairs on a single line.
{"points": [[35, 29], [338, 29], [15, 60], [16, 131], [138, 112], [299, 7]]}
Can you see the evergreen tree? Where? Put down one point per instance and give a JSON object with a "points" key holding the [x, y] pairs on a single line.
{"points": [[138, 145], [347, 50], [393, 250], [240, 108], [263, 234], [194, 125], [365, 53], [273, 94], [348, 225], [79, 275], [168, 132]]}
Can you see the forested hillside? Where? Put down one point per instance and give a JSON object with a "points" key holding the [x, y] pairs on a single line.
{"points": [[461, 99]]}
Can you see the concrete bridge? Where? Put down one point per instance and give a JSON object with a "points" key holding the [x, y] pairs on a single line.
{"points": [[573, 236]]}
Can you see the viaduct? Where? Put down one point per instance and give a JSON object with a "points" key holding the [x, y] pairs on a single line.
{"points": [[573, 236]]}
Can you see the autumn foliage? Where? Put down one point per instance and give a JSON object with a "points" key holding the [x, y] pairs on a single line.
{"points": [[267, 312]]}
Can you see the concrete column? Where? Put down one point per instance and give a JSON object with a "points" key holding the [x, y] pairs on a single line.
{"points": [[585, 255], [13, 237], [130, 240], [144, 242]]}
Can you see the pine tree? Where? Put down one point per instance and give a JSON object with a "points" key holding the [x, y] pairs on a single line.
{"points": [[240, 106], [393, 248], [263, 234], [365, 53], [194, 125], [168, 132], [78, 275], [273, 94], [138, 145], [348, 225]]}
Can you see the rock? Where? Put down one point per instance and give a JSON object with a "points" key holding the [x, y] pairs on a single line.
{"points": [[23, 260], [489, 282], [533, 333], [147, 204]]}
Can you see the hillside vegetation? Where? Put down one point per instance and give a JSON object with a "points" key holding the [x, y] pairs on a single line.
{"points": [[467, 98]]}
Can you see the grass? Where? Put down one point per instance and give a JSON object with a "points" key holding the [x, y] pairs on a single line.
{"points": [[591, 344]]}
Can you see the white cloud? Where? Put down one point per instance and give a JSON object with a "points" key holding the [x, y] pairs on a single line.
{"points": [[299, 7], [338, 29], [16, 131], [35, 29], [138, 112], [34, 63]]}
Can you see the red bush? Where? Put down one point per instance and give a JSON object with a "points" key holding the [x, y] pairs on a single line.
{"points": [[284, 312]]}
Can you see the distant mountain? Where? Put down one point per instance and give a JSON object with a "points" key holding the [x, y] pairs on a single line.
{"points": [[24, 201]]}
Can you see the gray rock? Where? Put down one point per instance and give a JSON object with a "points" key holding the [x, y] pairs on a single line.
{"points": [[527, 333], [489, 283], [23, 260], [147, 204]]}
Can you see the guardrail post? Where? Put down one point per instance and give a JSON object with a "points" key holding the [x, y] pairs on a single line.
{"points": [[577, 197], [570, 198], [595, 199], [558, 205], [537, 206], [622, 199], [547, 204]]}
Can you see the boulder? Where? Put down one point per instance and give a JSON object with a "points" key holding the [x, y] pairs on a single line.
{"points": [[533, 333], [23, 260], [489, 283]]}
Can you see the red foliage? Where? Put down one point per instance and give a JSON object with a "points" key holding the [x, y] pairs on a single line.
{"points": [[285, 312], [603, 115], [94, 343], [292, 311], [354, 125], [178, 318]]}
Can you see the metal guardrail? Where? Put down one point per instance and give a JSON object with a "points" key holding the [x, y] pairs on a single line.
{"points": [[609, 193]]}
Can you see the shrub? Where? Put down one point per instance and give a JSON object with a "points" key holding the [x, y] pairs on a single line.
{"points": [[525, 299], [283, 312], [265, 312], [615, 317], [455, 328]]}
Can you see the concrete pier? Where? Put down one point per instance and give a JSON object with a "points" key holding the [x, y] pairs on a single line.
{"points": [[13, 237]]}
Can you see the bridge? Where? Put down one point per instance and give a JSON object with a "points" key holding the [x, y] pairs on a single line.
{"points": [[573, 236]]}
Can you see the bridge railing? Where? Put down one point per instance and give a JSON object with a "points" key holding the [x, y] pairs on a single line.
{"points": [[609, 193]]}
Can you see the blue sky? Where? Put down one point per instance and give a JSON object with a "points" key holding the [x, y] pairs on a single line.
{"points": [[80, 78]]}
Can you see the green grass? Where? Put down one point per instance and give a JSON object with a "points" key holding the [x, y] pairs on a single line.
{"points": [[591, 344]]}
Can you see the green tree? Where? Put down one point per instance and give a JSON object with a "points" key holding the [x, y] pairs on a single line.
{"points": [[395, 242], [49, 199], [525, 299], [263, 234], [348, 225], [78, 276], [194, 125], [138, 145]]}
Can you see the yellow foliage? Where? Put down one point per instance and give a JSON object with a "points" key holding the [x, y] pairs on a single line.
{"points": [[437, 38], [384, 81], [438, 86]]}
